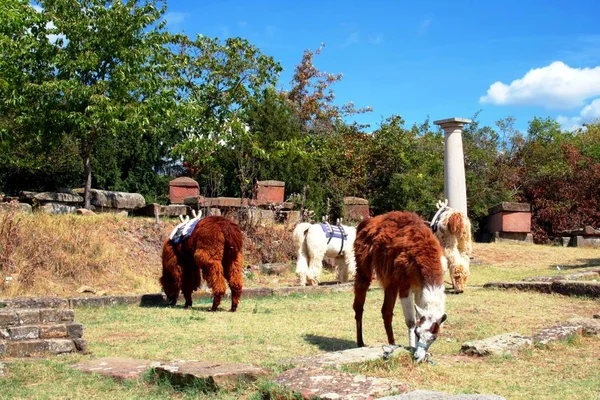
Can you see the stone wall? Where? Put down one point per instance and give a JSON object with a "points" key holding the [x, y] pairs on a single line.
{"points": [[26, 332]]}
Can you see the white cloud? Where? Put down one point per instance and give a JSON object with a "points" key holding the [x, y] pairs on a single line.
{"points": [[175, 18], [589, 113], [376, 39], [352, 39], [424, 26], [554, 86]]}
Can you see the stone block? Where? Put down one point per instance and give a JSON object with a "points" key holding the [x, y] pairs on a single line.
{"points": [[590, 289], [356, 209], [293, 217], [586, 241], [24, 332], [49, 316], [102, 301], [2, 347], [257, 292], [509, 206], [50, 197], [28, 317], [509, 221], [26, 348], [75, 330], [542, 287], [4, 335], [270, 191], [105, 200], [53, 331], [80, 344], [337, 359], [180, 188], [59, 346], [173, 210], [117, 367], [213, 375], [21, 207], [34, 302], [320, 383], [431, 395], [497, 345], [511, 237], [8, 317], [57, 209]]}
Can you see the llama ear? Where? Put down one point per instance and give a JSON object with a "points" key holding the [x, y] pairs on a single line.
{"points": [[420, 312], [442, 319]]}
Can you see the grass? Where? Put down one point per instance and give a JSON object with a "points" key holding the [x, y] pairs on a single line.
{"points": [[123, 256], [271, 331]]}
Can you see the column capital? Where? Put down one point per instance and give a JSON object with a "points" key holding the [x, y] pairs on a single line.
{"points": [[452, 123]]}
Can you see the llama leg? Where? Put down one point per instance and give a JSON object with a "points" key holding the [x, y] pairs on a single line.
{"points": [[361, 285], [410, 318], [235, 280], [212, 271], [350, 263], [191, 281], [316, 247], [172, 272], [342, 269], [387, 311], [302, 266]]}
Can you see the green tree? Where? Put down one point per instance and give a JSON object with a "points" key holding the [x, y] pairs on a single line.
{"points": [[96, 73]]}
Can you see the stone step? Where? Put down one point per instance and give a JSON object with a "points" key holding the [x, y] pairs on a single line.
{"points": [[214, 376], [27, 348], [119, 368], [314, 382], [430, 395], [340, 358], [10, 317], [55, 331], [34, 302], [567, 288]]}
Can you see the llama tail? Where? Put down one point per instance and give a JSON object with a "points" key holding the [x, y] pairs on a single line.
{"points": [[234, 242]]}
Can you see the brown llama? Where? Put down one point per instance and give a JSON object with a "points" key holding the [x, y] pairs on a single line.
{"points": [[212, 252], [408, 261]]}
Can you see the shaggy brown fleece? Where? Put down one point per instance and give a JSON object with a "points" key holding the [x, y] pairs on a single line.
{"points": [[213, 252], [403, 253]]}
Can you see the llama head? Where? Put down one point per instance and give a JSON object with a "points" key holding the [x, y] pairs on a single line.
{"points": [[459, 275], [427, 330]]}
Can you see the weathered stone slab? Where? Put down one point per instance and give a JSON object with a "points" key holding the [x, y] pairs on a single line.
{"points": [[591, 289], [80, 344], [574, 326], [102, 199], [59, 346], [430, 395], [587, 231], [28, 317], [509, 206], [21, 207], [332, 384], [213, 375], [117, 367], [74, 330], [496, 345], [567, 277], [25, 348], [53, 331], [257, 292], [24, 332], [50, 197], [543, 287], [8, 318], [34, 302], [57, 209], [49, 316], [339, 358], [4, 334], [101, 301]]}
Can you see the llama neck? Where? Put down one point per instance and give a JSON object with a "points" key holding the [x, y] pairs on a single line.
{"points": [[433, 299]]}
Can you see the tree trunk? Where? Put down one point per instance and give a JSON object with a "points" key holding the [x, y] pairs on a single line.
{"points": [[87, 168]]}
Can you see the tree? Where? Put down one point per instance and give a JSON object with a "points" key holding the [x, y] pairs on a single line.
{"points": [[313, 97], [96, 72], [216, 84]]}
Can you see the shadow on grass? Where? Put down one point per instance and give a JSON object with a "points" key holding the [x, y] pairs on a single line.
{"points": [[329, 344]]}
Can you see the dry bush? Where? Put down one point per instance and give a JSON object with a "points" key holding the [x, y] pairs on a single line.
{"points": [[9, 237], [268, 244]]}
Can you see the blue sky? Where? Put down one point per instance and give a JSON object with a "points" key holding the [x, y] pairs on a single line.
{"points": [[442, 58]]}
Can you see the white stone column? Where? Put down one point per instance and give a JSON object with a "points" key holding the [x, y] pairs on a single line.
{"points": [[455, 188]]}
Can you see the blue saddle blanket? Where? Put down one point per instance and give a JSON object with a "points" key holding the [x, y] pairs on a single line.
{"points": [[183, 231], [337, 231]]}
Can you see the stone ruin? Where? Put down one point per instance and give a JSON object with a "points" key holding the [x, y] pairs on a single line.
{"points": [[508, 222], [30, 328], [582, 237]]}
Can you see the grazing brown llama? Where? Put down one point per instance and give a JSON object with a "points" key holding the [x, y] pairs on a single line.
{"points": [[407, 260], [212, 252], [453, 230]]}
